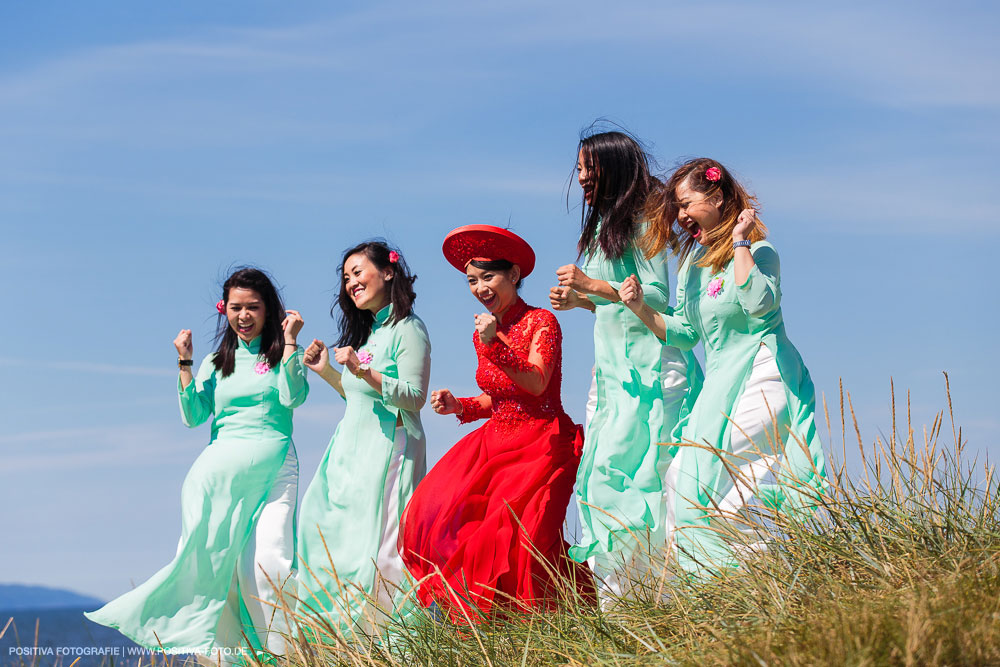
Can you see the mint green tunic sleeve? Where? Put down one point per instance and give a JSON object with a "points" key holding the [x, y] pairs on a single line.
{"points": [[408, 391], [292, 386], [197, 400], [679, 331], [760, 294], [655, 281]]}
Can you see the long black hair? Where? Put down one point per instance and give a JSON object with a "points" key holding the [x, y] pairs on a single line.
{"points": [[355, 323], [623, 184], [272, 339]]}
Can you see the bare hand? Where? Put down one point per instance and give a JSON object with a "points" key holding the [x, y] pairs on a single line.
{"points": [[444, 402], [744, 224], [631, 294], [348, 358], [291, 325], [317, 356], [486, 325], [185, 350], [573, 276], [564, 298]]}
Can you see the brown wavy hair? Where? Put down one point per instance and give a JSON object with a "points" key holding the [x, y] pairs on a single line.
{"points": [[661, 211]]}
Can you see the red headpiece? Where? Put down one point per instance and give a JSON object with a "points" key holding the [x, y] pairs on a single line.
{"points": [[487, 243]]}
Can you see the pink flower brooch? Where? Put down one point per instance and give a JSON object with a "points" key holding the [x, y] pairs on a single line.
{"points": [[365, 357], [261, 368], [715, 287], [713, 174]]}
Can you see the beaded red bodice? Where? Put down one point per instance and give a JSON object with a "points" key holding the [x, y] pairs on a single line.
{"points": [[512, 405]]}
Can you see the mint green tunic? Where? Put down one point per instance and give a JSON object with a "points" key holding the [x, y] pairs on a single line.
{"points": [[733, 325], [620, 478], [345, 501], [222, 496]]}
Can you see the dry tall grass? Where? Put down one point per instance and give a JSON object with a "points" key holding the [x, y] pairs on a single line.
{"points": [[901, 565]]}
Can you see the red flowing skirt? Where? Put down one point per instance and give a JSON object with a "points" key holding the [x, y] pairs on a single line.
{"points": [[483, 529]]}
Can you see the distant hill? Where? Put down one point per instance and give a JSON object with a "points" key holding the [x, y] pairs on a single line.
{"points": [[14, 597]]}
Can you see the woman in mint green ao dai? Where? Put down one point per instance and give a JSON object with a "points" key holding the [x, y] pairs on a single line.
{"points": [[756, 385], [641, 388], [237, 545], [352, 574]]}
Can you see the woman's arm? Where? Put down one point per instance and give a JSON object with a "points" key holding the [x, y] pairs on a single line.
{"points": [[567, 298], [759, 293], [413, 365], [573, 277], [673, 329], [348, 358], [742, 257], [532, 374], [317, 359], [292, 385], [197, 397], [467, 410]]}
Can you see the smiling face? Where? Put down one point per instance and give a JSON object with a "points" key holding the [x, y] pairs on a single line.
{"points": [[696, 213], [495, 289], [367, 286], [245, 312], [586, 175]]}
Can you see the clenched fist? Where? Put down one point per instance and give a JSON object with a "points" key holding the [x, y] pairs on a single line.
{"points": [[183, 344], [317, 356], [444, 402], [486, 325]]}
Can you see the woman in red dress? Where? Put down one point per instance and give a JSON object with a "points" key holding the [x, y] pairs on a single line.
{"points": [[483, 530]]}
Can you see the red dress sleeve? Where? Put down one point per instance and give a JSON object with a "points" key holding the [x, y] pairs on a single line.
{"points": [[473, 410], [543, 331]]}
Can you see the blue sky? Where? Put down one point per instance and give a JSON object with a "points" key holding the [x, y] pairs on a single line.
{"points": [[148, 147]]}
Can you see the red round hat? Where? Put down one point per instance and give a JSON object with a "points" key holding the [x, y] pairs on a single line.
{"points": [[487, 243]]}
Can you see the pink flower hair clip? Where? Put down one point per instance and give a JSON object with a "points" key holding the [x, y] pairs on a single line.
{"points": [[393, 256], [713, 174], [221, 306]]}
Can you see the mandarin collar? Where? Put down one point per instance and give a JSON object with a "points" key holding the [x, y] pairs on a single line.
{"points": [[382, 315], [253, 347], [514, 312]]}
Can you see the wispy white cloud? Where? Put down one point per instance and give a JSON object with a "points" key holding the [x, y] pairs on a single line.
{"points": [[895, 55], [868, 201], [108, 446], [88, 367]]}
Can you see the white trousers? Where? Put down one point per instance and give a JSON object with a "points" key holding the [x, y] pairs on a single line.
{"points": [[619, 574], [390, 572], [270, 550], [762, 407]]}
